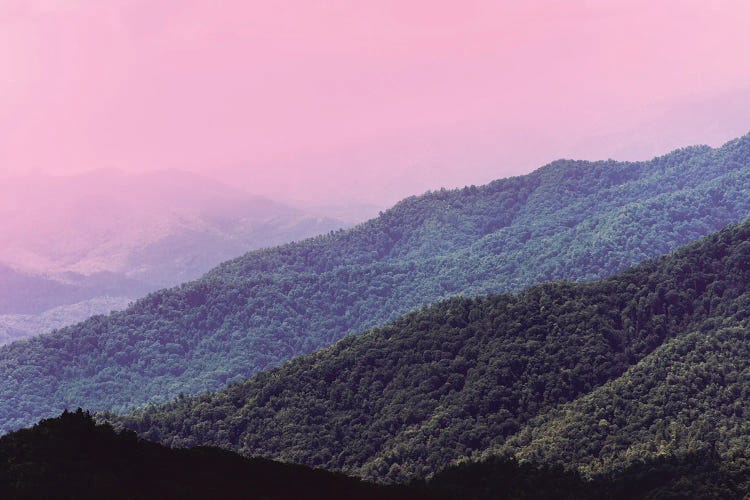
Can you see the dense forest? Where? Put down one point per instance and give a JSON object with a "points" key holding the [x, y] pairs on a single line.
{"points": [[569, 220], [691, 395], [69, 457], [463, 376], [696, 475]]}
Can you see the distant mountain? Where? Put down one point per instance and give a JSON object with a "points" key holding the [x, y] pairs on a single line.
{"points": [[66, 240], [349, 212], [466, 376], [25, 293], [568, 220], [20, 326]]}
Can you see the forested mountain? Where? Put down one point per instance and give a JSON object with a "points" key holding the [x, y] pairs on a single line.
{"points": [[568, 220], [71, 457], [461, 377], [691, 395]]}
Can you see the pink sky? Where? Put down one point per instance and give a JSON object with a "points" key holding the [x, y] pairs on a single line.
{"points": [[351, 100]]}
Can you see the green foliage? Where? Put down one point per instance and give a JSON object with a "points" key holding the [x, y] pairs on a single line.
{"points": [[568, 220], [463, 375], [691, 395]]}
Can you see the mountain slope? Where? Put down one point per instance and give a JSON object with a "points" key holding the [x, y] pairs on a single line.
{"points": [[691, 395], [461, 376], [569, 220]]}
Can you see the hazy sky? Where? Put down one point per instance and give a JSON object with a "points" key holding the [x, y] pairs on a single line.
{"points": [[364, 100]]}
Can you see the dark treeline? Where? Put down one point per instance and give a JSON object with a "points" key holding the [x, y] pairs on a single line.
{"points": [[70, 457]]}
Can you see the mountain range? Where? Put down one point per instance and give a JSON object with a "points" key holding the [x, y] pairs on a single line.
{"points": [[579, 332], [569, 220]]}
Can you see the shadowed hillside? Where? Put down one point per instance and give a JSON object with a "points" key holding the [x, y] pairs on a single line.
{"points": [[70, 457]]}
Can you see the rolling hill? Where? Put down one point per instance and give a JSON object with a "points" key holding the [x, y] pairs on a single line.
{"points": [[651, 360], [569, 220]]}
